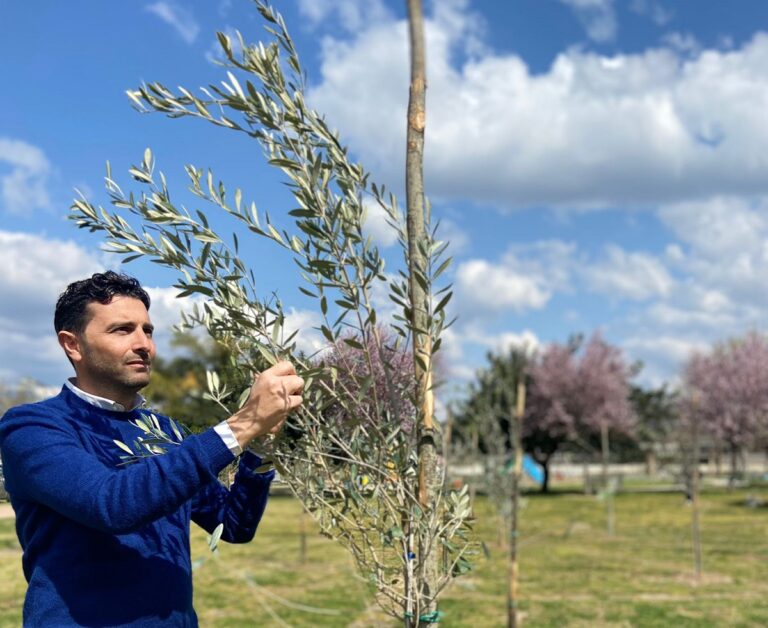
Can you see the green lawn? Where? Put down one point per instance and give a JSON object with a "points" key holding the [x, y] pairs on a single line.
{"points": [[572, 573]]}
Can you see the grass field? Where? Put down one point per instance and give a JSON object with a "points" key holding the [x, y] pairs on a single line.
{"points": [[572, 573]]}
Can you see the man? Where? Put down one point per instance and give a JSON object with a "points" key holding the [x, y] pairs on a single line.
{"points": [[107, 544]]}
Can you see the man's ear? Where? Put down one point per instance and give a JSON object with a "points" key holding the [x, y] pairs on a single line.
{"points": [[70, 342]]}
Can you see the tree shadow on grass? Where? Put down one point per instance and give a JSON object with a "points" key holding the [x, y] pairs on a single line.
{"points": [[751, 502]]}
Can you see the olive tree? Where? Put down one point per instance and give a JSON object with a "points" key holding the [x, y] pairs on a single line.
{"points": [[394, 534]]}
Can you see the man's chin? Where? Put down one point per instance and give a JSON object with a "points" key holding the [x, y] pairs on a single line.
{"points": [[137, 381]]}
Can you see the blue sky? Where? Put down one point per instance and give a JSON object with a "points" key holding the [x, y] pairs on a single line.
{"points": [[596, 164]]}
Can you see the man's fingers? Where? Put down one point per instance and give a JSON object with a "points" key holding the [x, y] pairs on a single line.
{"points": [[282, 368], [293, 383], [294, 401], [288, 384]]}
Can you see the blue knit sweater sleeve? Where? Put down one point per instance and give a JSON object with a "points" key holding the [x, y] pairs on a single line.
{"points": [[240, 508], [44, 461]]}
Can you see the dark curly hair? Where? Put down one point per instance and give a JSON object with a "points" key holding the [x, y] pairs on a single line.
{"points": [[101, 287]]}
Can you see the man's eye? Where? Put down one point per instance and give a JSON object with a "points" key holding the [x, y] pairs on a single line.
{"points": [[149, 332]]}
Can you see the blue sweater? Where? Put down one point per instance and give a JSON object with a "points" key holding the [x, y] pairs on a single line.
{"points": [[108, 545]]}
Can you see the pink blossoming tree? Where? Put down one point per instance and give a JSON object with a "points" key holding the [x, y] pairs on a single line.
{"points": [[730, 384], [577, 391]]}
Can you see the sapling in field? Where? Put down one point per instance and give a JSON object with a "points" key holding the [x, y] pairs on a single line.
{"points": [[354, 454]]}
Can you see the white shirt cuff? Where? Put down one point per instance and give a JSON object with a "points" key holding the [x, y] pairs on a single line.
{"points": [[228, 436]]}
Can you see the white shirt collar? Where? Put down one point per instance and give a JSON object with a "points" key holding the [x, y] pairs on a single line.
{"points": [[101, 402]]}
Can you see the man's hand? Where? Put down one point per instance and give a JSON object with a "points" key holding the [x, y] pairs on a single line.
{"points": [[274, 393]]}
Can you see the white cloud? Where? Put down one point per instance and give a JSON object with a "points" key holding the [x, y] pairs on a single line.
{"points": [[31, 354], [737, 224], [451, 232], [224, 7], [526, 340], [631, 275], [597, 16], [35, 271], [653, 9], [661, 355], [725, 42], [306, 323], [592, 131], [489, 287], [352, 15], [524, 279], [724, 244], [682, 42], [464, 28], [451, 357], [165, 311], [376, 226], [670, 316], [386, 309], [25, 188], [720, 256], [458, 343], [674, 253], [178, 17]]}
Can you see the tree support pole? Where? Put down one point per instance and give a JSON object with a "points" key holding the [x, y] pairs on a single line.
{"points": [[428, 474], [607, 487], [695, 524], [513, 598]]}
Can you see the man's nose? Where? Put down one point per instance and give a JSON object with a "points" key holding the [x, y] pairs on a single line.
{"points": [[142, 343]]}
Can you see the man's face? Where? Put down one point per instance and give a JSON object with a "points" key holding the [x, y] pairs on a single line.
{"points": [[114, 352]]}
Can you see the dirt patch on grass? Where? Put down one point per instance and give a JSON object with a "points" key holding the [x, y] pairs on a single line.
{"points": [[6, 511], [642, 597], [704, 579]]}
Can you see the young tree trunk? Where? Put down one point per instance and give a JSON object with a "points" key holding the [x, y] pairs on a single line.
{"points": [[425, 608], [651, 463], [607, 488], [734, 466], [303, 537], [695, 525], [545, 468], [605, 451], [475, 449], [586, 479], [516, 425]]}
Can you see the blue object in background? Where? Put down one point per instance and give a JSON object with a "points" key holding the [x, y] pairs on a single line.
{"points": [[533, 469]]}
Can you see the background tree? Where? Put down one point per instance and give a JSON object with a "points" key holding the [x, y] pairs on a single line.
{"points": [[23, 391], [390, 368], [179, 384], [389, 529], [731, 382], [487, 411], [484, 427], [576, 392], [656, 415]]}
